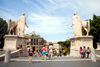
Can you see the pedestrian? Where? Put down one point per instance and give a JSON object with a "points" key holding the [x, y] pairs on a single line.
{"points": [[64, 52], [40, 54], [21, 51], [28, 48], [88, 52], [18, 46], [43, 52], [50, 51], [84, 50], [34, 53], [81, 52], [57, 52], [60, 53], [53, 52], [30, 55], [47, 53]]}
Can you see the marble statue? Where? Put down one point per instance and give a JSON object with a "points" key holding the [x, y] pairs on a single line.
{"points": [[21, 21], [77, 24], [18, 27], [11, 26], [79, 40], [86, 26]]}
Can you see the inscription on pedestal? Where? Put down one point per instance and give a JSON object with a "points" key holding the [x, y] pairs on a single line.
{"points": [[86, 43], [10, 39]]}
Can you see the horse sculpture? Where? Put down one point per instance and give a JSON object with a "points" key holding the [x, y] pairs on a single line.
{"points": [[86, 26], [11, 26]]}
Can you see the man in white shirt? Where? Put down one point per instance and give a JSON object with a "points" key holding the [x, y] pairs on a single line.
{"points": [[28, 48], [57, 52], [50, 51]]}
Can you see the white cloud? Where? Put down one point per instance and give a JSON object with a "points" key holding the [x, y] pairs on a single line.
{"points": [[48, 17], [6, 16], [6, 9], [51, 1], [48, 24]]}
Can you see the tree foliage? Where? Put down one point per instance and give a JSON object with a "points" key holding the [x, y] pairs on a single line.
{"points": [[65, 45], [3, 30], [95, 29]]}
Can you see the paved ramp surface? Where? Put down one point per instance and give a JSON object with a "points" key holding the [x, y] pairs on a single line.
{"points": [[56, 62]]}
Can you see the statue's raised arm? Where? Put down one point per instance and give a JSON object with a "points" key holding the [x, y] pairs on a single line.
{"points": [[26, 23]]}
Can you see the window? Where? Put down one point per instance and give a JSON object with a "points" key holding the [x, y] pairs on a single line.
{"points": [[37, 40], [42, 41], [31, 43], [34, 43], [34, 40], [31, 39]]}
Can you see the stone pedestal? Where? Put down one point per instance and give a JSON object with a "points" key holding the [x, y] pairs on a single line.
{"points": [[11, 42], [98, 46], [7, 56], [93, 55], [77, 42]]}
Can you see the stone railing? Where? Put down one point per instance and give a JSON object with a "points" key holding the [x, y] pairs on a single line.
{"points": [[98, 46], [13, 54]]}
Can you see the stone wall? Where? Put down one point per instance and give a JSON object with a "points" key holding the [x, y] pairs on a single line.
{"points": [[12, 41]]}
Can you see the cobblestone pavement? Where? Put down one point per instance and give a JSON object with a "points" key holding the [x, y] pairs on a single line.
{"points": [[56, 62]]}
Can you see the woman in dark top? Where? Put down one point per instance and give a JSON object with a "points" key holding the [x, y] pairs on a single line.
{"points": [[30, 55], [87, 52]]}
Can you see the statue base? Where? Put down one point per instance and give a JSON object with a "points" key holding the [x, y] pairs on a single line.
{"points": [[12, 41], [77, 42]]}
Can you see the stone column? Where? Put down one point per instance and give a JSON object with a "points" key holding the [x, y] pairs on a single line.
{"points": [[93, 55], [7, 56]]}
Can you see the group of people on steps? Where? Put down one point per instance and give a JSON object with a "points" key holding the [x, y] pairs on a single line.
{"points": [[84, 52]]}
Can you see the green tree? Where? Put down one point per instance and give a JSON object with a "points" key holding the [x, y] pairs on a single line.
{"points": [[65, 45], [95, 29], [3, 31]]}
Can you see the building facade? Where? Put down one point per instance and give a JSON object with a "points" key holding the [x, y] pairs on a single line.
{"points": [[35, 41], [57, 46]]}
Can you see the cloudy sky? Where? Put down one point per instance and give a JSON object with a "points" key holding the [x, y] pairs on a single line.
{"points": [[51, 19]]}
